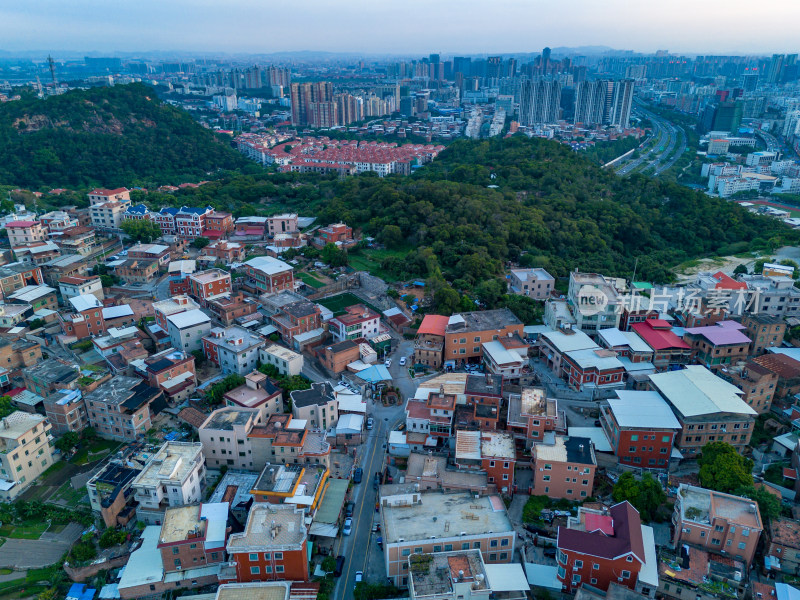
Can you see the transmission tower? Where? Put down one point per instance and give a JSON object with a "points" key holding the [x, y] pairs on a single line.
{"points": [[52, 64]]}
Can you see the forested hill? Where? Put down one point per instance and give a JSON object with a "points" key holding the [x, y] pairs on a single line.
{"points": [[549, 202], [111, 136]]}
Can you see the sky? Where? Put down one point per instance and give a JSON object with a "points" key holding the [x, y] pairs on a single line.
{"points": [[399, 27]]}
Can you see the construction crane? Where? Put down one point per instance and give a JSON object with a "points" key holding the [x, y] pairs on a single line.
{"points": [[52, 64], [39, 87]]}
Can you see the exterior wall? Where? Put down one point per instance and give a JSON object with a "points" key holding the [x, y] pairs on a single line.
{"points": [[66, 417], [577, 377], [759, 390], [289, 565], [286, 366], [188, 339], [788, 556], [539, 289], [23, 236], [23, 463], [270, 283], [495, 548], [465, 345], [500, 472], [738, 429], [763, 334], [715, 357], [336, 362], [111, 423], [720, 536], [573, 482], [576, 569], [318, 417]]}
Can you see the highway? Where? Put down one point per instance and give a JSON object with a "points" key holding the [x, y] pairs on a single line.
{"points": [[661, 152]]}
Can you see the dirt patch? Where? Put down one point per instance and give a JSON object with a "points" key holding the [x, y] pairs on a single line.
{"points": [[726, 264]]}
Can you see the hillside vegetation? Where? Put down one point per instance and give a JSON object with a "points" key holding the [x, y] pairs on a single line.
{"points": [[110, 136]]}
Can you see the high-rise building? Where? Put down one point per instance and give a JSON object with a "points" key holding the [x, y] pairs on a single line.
{"points": [[545, 59], [252, 78], [621, 104], [463, 65], [539, 102], [590, 101], [304, 97], [278, 76], [728, 116], [750, 82], [775, 66], [493, 67]]}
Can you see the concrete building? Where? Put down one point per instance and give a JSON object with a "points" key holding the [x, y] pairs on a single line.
{"points": [[425, 523], [317, 405], [358, 321], [109, 492], [25, 452], [123, 407], [235, 349], [224, 437], [287, 361], [532, 415], [783, 545], [259, 392], [534, 283], [283, 439], [73, 286], [66, 411], [209, 285], [429, 343], [764, 331], [295, 318], [187, 329], [466, 332], [594, 302], [175, 476], [490, 451], [719, 345], [758, 383], [267, 274], [564, 469], [107, 208], [25, 233], [193, 536], [707, 407], [717, 522]]}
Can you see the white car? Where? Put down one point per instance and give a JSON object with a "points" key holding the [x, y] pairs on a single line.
{"points": [[403, 361], [359, 578], [388, 363], [348, 526]]}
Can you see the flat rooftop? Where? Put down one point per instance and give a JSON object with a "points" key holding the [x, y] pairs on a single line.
{"points": [[281, 352], [181, 523], [275, 590], [702, 506], [567, 449], [293, 482], [173, 462], [484, 320], [445, 515], [18, 424], [273, 526], [437, 573], [226, 419]]}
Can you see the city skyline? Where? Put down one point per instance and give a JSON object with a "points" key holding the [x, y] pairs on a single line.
{"points": [[514, 26]]}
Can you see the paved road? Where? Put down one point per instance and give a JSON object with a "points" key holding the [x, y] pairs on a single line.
{"points": [[659, 156], [35, 554]]}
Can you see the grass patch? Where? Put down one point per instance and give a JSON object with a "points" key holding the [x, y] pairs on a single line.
{"points": [[25, 531], [310, 280], [6, 571], [94, 451], [27, 586], [68, 495], [54, 468], [338, 303]]}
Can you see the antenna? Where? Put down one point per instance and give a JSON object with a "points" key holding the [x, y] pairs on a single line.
{"points": [[52, 64]]}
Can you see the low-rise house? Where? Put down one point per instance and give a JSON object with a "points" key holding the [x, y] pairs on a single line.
{"points": [[532, 415], [424, 523], [66, 411], [69, 265], [235, 349], [708, 408], [358, 321], [256, 392], [553, 345], [267, 274], [12, 315], [193, 536], [287, 361], [20, 353], [175, 476], [156, 252], [38, 296], [484, 397], [234, 307], [534, 283], [783, 545], [37, 253], [702, 576], [641, 428], [337, 233], [123, 407], [16, 276], [273, 546], [317, 405], [218, 225], [209, 285], [224, 437], [593, 369], [110, 491], [501, 362], [466, 332], [172, 306], [283, 223], [669, 351], [171, 371], [758, 383], [585, 290], [283, 439], [597, 548], [49, 376], [429, 342], [295, 318], [432, 472], [25, 452], [80, 286], [137, 270], [718, 345], [336, 357], [564, 469], [187, 329], [23, 233], [717, 522], [786, 368], [490, 451], [765, 331], [226, 252]]}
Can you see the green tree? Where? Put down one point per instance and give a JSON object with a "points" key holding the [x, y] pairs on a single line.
{"points": [[768, 505], [723, 469], [329, 564], [446, 300], [334, 256], [392, 236], [144, 230], [35, 324], [740, 270], [68, 441], [646, 495], [199, 358], [200, 242], [6, 408], [112, 537], [214, 394], [83, 551]]}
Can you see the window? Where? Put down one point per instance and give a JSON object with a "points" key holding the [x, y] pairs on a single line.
{"points": [[255, 570], [626, 574], [742, 545], [493, 543], [595, 567], [437, 548], [578, 564], [504, 542], [464, 546], [176, 550], [634, 438], [562, 558], [448, 547], [279, 568], [406, 552]]}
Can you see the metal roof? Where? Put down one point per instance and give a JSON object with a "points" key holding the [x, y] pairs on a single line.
{"points": [[696, 391], [642, 409]]}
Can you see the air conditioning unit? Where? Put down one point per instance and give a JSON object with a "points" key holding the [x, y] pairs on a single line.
{"points": [[684, 530], [619, 579], [178, 568]]}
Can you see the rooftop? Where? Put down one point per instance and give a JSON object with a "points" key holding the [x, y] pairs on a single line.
{"points": [[275, 590], [484, 385], [443, 516], [575, 450], [273, 526], [176, 304], [586, 536], [703, 506], [52, 371], [234, 338], [234, 488], [172, 463], [440, 572], [568, 340], [785, 532], [721, 333], [131, 393], [189, 318], [31, 293], [433, 325], [18, 423], [696, 391], [181, 523], [486, 320], [595, 358], [209, 276], [642, 409], [319, 394], [613, 338], [658, 335], [268, 265], [225, 419]]}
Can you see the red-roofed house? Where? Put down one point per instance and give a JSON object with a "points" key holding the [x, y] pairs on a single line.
{"points": [[23, 233], [597, 548], [725, 282], [668, 348], [429, 344]]}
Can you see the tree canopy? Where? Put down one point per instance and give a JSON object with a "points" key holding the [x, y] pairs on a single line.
{"points": [[723, 469], [646, 495]]}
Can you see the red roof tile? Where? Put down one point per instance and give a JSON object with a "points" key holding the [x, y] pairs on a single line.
{"points": [[627, 538], [433, 325], [655, 337]]}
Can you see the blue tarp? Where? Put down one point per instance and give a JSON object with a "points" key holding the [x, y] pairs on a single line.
{"points": [[374, 374]]}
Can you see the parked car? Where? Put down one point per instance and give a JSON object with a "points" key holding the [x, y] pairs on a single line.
{"points": [[388, 363], [359, 578], [370, 423], [550, 552], [357, 475], [348, 526], [376, 527], [402, 361], [348, 509], [337, 572], [376, 481]]}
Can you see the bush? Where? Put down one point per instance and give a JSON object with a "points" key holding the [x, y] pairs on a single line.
{"points": [[83, 551], [113, 537]]}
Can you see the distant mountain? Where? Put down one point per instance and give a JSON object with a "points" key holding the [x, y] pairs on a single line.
{"points": [[116, 136]]}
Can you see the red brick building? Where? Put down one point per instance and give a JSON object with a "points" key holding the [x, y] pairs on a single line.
{"points": [[297, 317], [218, 225], [208, 285], [267, 274], [488, 451]]}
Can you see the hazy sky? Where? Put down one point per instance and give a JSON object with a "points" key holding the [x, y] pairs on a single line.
{"points": [[399, 27]]}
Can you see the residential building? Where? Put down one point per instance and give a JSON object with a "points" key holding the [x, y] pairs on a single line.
{"points": [[597, 548], [594, 302], [226, 252], [786, 368], [25, 452], [66, 411], [534, 283], [772, 295], [466, 332], [553, 345], [669, 351], [317, 405], [273, 545], [234, 307], [78, 241], [708, 408], [24, 233], [424, 523], [758, 383], [171, 371], [358, 321], [187, 329], [193, 536], [224, 437], [765, 331], [19, 353], [175, 476], [719, 345], [37, 253], [46, 377], [783, 545], [71, 287], [38, 296], [595, 369], [110, 491], [107, 208], [12, 315], [502, 362], [429, 342], [218, 225], [301, 485], [484, 397], [287, 362], [209, 285], [235, 349], [564, 469], [532, 415], [295, 318], [123, 407], [337, 356], [492, 452], [172, 306], [285, 440], [717, 522], [256, 392], [337, 233], [641, 428], [267, 274], [283, 223], [136, 270], [16, 276], [156, 252], [64, 266]]}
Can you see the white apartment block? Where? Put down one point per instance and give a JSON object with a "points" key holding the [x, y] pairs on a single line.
{"points": [[186, 329], [25, 451], [286, 361], [224, 438]]}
